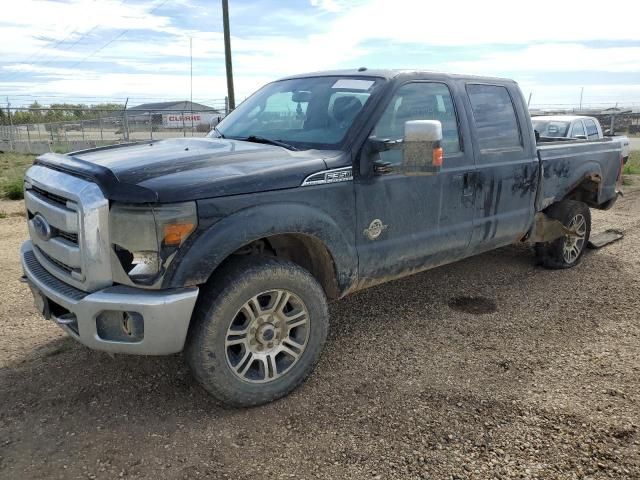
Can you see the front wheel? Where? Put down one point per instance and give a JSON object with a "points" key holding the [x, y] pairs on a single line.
{"points": [[258, 330], [566, 251]]}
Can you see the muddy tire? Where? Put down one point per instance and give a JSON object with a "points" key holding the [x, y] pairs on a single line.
{"points": [[257, 331], [566, 251]]}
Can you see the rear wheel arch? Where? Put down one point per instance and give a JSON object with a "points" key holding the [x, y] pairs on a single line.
{"points": [[587, 190]]}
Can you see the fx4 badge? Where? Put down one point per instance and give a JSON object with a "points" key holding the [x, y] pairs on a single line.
{"points": [[375, 229]]}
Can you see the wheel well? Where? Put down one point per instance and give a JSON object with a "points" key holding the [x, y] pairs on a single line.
{"points": [[305, 250], [586, 191]]}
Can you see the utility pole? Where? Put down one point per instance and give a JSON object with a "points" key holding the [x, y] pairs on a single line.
{"points": [[529, 101], [191, 82], [227, 54], [581, 93]]}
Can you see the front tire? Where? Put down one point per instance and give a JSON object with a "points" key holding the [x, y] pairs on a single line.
{"points": [[566, 251], [258, 330]]}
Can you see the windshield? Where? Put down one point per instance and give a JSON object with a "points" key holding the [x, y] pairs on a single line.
{"points": [[312, 112], [551, 128]]}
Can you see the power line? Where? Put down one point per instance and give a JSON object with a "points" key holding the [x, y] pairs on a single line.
{"points": [[75, 30], [85, 35], [120, 35]]}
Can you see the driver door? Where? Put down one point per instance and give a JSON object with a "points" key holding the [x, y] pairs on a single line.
{"points": [[409, 223]]}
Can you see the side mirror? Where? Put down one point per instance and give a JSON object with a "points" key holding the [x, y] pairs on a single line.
{"points": [[422, 152]]}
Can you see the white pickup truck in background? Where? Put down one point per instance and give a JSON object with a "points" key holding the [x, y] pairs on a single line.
{"points": [[576, 126]]}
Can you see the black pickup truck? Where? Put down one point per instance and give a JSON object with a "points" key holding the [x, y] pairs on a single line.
{"points": [[229, 247]]}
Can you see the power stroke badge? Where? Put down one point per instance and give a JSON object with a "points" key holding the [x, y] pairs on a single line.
{"points": [[375, 229]]}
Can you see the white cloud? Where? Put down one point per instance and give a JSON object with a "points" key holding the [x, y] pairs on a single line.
{"points": [[473, 22], [34, 27], [553, 57], [537, 39], [327, 5], [137, 86]]}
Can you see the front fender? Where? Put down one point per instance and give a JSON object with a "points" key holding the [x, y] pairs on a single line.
{"points": [[214, 245]]}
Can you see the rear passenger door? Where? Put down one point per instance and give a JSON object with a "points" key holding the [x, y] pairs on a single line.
{"points": [[507, 165]]}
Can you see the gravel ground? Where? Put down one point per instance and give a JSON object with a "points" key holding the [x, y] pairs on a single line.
{"points": [[537, 378]]}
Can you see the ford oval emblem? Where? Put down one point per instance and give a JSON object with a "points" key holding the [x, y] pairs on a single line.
{"points": [[42, 227]]}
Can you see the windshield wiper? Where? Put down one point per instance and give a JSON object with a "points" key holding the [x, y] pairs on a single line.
{"points": [[268, 141]]}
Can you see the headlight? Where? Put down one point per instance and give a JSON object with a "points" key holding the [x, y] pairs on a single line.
{"points": [[145, 238]]}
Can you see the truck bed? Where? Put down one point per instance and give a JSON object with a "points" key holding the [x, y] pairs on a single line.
{"points": [[567, 164]]}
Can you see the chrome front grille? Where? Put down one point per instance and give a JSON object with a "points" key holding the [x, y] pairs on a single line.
{"points": [[68, 226], [45, 277], [51, 196], [71, 237], [67, 268]]}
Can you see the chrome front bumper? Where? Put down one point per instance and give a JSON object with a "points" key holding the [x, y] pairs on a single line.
{"points": [[166, 313]]}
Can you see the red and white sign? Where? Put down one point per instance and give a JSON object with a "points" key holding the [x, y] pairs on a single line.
{"points": [[177, 120]]}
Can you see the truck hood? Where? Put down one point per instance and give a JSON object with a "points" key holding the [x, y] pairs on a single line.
{"points": [[185, 169]]}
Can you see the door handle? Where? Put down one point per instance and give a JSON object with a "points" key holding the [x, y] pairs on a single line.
{"points": [[382, 168], [467, 184]]}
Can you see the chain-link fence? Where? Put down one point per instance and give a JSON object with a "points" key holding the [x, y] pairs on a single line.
{"points": [[89, 128], [39, 130]]}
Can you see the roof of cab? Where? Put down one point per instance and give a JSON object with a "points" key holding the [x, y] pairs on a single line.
{"points": [[393, 73]]}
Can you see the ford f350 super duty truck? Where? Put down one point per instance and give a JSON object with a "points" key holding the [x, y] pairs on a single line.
{"points": [[229, 247]]}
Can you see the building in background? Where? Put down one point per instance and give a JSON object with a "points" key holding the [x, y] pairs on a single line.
{"points": [[177, 114]]}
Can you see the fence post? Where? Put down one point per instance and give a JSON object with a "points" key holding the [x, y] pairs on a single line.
{"points": [[150, 126], [28, 139], [184, 131], [100, 123], [82, 128], [613, 124], [51, 132], [10, 125], [125, 126]]}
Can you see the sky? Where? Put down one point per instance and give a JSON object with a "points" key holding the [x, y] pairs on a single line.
{"points": [[93, 51]]}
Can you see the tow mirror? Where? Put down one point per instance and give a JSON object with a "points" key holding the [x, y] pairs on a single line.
{"points": [[422, 152]]}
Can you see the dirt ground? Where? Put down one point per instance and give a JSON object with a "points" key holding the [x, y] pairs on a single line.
{"points": [[537, 378]]}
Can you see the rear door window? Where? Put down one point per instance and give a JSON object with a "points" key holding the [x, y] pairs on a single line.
{"points": [[592, 129], [495, 117]]}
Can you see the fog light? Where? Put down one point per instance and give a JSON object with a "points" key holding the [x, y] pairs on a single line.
{"points": [[116, 326]]}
